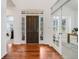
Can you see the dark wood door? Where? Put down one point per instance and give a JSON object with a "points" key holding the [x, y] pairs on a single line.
{"points": [[32, 29]]}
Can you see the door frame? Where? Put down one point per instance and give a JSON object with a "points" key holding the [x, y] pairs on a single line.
{"points": [[40, 15]]}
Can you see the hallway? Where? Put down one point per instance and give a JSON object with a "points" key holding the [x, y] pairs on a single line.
{"points": [[39, 29]]}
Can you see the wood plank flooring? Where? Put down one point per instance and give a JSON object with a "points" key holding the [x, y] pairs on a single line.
{"points": [[32, 51]]}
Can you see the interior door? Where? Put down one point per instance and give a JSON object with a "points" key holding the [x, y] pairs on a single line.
{"points": [[32, 29]]}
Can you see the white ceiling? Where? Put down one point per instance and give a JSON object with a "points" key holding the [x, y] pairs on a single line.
{"points": [[10, 4], [33, 4], [39, 4], [73, 4]]}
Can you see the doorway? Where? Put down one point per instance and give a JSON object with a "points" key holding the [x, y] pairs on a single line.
{"points": [[32, 29]]}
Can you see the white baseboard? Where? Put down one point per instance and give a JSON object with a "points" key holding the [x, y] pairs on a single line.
{"points": [[3, 55]]}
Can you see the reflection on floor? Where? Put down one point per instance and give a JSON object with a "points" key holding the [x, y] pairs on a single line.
{"points": [[70, 51], [32, 51]]}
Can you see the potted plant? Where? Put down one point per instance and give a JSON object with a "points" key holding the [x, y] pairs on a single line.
{"points": [[75, 30]]}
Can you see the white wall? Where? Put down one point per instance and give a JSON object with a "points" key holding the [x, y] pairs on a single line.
{"points": [[45, 5], [72, 18], [76, 18], [16, 13], [47, 28], [10, 11], [17, 26], [3, 29], [4, 39]]}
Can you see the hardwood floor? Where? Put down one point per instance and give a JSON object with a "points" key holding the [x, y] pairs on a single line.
{"points": [[32, 51]]}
